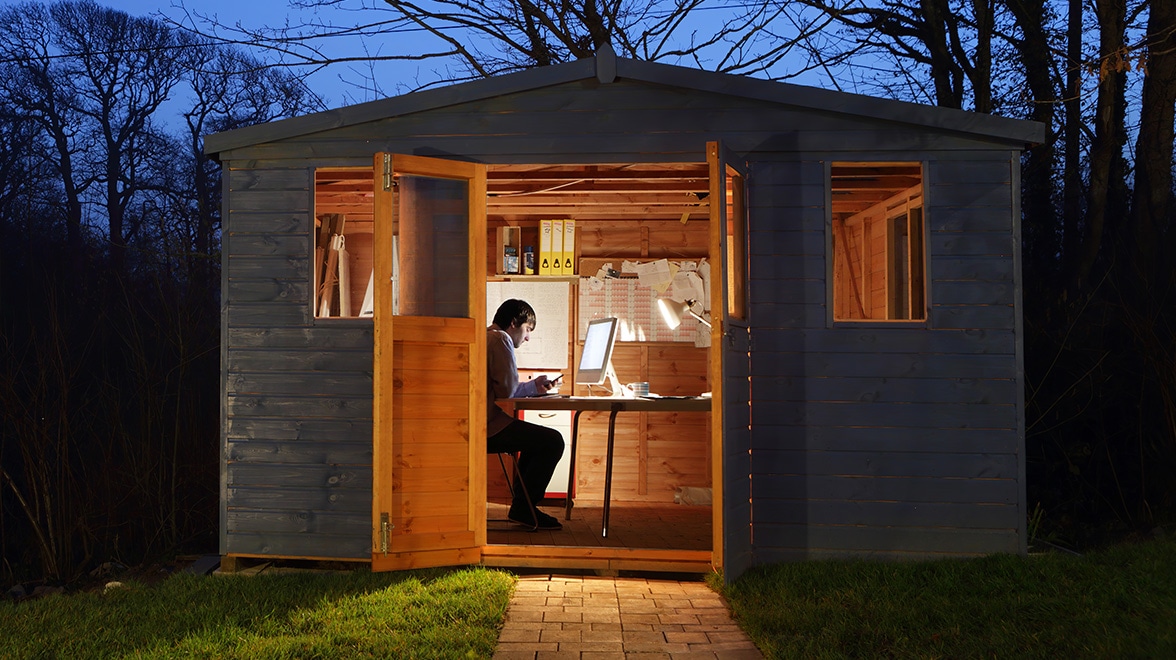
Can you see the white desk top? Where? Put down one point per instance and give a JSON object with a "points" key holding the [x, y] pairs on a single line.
{"points": [[652, 404]]}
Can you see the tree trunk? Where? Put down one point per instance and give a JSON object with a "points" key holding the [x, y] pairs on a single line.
{"points": [[1038, 172], [1153, 153], [1106, 152], [1072, 176]]}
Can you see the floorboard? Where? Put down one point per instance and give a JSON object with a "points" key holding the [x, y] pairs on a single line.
{"points": [[631, 525]]}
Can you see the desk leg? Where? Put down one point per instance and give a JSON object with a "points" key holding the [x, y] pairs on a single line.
{"points": [[608, 464], [572, 466]]}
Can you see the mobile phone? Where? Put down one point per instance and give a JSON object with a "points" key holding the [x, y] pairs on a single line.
{"points": [[552, 380]]}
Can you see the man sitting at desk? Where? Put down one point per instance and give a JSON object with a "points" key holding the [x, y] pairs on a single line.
{"points": [[539, 447]]}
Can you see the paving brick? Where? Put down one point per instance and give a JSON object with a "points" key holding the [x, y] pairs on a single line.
{"points": [[605, 618]]}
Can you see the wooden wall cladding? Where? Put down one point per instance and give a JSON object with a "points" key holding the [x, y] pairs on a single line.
{"points": [[654, 453]]}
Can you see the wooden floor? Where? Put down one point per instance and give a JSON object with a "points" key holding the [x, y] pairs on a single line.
{"points": [[631, 525]]}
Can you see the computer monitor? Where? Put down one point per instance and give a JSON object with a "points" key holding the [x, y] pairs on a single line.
{"points": [[595, 361]]}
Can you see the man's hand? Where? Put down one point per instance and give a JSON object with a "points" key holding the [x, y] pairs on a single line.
{"points": [[544, 384]]}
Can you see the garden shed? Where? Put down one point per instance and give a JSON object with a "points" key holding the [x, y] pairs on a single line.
{"points": [[857, 260]]}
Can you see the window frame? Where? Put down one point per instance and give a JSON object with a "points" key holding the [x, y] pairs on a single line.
{"points": [[908, 203]]}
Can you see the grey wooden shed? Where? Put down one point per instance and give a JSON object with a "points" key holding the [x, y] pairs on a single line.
{"points": [[864, 360]]}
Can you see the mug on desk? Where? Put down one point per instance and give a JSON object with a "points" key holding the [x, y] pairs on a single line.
{"points": [[639, 389]]}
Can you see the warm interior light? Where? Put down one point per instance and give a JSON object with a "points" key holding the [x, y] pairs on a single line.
{"points": [[673, 310]]}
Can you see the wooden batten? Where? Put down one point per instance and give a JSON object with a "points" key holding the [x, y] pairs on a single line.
{"points": [[609, 560]]}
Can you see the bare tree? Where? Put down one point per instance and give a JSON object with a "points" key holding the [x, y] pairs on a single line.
{"points": [[469, 40], [32, 82]]}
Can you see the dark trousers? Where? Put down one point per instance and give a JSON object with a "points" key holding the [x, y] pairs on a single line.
{"points": [[539, 449]]}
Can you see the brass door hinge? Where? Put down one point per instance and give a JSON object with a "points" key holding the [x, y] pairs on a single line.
{"points": [[385, 533]]}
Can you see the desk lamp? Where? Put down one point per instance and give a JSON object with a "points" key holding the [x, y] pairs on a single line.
{"points": [[672, 312]]}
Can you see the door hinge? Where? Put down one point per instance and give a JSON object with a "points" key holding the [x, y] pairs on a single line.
{"points": [[387, 171], [385, 533]]}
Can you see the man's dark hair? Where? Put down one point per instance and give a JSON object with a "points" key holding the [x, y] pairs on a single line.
{"points": [[514, 311]]}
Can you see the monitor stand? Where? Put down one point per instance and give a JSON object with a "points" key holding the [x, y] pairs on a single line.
{"points": [[614, 383], [610, 386]]}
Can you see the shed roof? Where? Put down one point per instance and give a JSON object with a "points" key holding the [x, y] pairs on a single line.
{"points": [[606, 68]]}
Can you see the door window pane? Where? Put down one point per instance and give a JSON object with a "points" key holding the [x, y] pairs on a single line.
{"points": [[432, 249]]}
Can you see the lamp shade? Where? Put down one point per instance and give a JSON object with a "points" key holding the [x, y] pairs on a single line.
{"points": [[672, 311]]}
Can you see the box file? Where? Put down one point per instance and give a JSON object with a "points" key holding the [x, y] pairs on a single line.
{"points": [[569, 247], [544, 247], [557, 240]]}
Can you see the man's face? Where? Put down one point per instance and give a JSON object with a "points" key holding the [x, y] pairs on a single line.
{"points": [[520, 333]]}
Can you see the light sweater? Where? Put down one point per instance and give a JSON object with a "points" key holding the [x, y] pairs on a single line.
{"points": [[502, 379]]}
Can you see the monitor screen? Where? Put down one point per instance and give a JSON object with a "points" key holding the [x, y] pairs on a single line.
{"points": [[598, 346]]}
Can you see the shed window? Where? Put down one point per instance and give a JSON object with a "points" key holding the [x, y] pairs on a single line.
{"points": [[343, 256], [879, 260]]}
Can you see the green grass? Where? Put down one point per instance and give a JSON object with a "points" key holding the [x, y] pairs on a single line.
{"points": [[421, 614], [1117, 603]]}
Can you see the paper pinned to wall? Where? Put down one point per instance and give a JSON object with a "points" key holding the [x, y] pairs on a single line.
{"points": [[548, 347]]}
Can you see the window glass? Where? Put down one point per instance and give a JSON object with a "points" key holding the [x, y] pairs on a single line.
{"points": [[342, 233], [878, 242]]}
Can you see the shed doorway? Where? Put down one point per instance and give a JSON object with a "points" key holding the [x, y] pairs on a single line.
{"points": [[637, 212]]}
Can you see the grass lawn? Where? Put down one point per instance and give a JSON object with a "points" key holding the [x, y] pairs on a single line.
{"points": [[420, 614], [1117, 603]]}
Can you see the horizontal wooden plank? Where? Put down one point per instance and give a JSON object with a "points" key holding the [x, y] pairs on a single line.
{"points": [[851, 339], [348, 384], [773, 242], [798, 268], [973, 316], [785, 315], [872, 438], [279, 267], [967, 219], [887, 541], [271, 200], [268, 290], [241, 179], [290, 429], [871, 488], [324, 453], [270, 314], [356, 546], [988, 466], [772, 389], [430, 406], [291, 245], [276, 221], [420, 432], [785, 195], [867, 365], [788, 172], [955, 292], [791, 292], [356, 407], [354, 334], [328, 477], [454, 477], [973, 171], [896, 415], [287, 521], [972, 195], [972, 244], [295, 360], [970, 269], [450, 357], [889, 514], [295, 496]]}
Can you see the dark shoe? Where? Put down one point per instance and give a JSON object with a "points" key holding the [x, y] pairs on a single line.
{"points": [[537, 521]]}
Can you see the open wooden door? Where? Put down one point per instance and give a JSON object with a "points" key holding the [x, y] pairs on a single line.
{"points": [[428, 463], [730, 363]]}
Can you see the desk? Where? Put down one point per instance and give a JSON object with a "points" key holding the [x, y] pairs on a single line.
{"points": [[614, 405]]}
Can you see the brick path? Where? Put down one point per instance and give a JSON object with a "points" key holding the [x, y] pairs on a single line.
{"points": [[601, 618]]}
